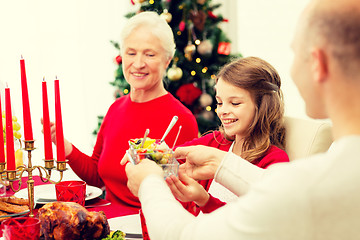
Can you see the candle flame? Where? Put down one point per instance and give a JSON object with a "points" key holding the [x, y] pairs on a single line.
{"points": [[21, 56], [43, 78]]}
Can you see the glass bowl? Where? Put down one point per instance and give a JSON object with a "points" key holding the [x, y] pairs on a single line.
{"points": [[162, 155]]}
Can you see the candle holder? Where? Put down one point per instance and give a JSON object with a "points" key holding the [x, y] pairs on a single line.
{"points": [[12, 176]]}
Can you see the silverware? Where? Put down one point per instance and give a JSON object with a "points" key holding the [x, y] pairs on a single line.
{"points": [[133, 236], [171, 125], [144, 138], [177, 135], [97, 205]]}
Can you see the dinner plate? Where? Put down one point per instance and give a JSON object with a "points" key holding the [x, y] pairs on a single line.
{"points": [[15, 214], [129, 224], [46, 193]]}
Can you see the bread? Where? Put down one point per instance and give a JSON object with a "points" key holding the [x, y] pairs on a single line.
{"points": [[12, 205]]}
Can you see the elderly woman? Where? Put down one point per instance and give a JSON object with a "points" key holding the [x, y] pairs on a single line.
{"points": [[147, 47]]}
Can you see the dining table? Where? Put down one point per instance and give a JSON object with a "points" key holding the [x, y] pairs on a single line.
{"points": [[119, 217]]}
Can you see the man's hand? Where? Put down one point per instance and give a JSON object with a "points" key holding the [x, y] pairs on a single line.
{"points": [[137, 173], [201, 161]]}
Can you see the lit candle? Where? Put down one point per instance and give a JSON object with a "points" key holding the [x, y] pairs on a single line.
{"points": [[10, 152], [46, 124], [60, 147], [2, 151], [28, 134]]}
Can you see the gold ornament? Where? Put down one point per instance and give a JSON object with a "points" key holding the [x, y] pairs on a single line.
{"points": [[205, 99], [201, 2], [189, 51], [166, 15], [174, 73], [205, 47], [139, 1]]}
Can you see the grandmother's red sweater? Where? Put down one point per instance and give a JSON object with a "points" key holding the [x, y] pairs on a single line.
{"points": [[126, 120]]}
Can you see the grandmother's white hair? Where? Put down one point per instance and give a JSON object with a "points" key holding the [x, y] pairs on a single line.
{"points": [[159, 27]]}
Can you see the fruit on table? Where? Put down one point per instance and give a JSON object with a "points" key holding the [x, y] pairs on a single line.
{"points": [[19, 157], [16, 126], [151, 150]]}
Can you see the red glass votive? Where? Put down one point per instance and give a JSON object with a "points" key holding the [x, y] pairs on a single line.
{"points": [[21, 228], [143, 227], [71, 191]]}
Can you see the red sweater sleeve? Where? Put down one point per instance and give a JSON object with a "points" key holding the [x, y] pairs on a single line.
{"points": [[212, 205], [86, 167]]}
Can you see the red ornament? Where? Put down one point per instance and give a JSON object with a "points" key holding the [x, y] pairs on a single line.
{"points": [[182, 26], [118, 59], [224, 48], [211, 15], [188, 93]]}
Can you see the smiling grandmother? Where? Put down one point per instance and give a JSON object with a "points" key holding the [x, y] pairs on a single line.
{"points": [[147, 48]]}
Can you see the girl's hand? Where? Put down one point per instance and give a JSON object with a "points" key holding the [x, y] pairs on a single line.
{"points": [[137, 173], [187, 189]]}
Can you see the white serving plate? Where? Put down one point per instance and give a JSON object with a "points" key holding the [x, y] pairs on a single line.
{"points": [[46, 193]]}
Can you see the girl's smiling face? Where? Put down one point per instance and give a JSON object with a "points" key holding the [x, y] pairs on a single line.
{"points": [[235, 108]]}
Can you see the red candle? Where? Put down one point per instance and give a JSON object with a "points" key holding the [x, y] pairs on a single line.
{"points": [[46, 124], [25, 100], [2, 151], [58, 123], [10, 152]]}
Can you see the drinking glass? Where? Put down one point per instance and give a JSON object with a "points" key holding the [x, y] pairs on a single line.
{"points": [[71, 191], [164, 158], [21, 228]]}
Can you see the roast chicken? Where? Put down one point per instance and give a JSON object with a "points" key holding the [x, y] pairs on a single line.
{"points": [[67, 220]]}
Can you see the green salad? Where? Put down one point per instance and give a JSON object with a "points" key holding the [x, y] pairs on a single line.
{"points": [[117, 235]]}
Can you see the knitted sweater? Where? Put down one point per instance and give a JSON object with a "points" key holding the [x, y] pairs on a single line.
{"points": [[126, 120]]}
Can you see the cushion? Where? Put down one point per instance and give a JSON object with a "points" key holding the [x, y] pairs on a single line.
{"points": [[305, 137]]}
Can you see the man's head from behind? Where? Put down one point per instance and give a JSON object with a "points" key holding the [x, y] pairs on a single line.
{"points": [[326, 47]]}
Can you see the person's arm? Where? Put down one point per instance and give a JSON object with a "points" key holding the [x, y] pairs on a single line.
{"points": [[227, 168], [267, 211], [236, 174], [84, 166]]}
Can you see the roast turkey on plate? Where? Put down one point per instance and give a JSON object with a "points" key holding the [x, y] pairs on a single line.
{"points": [[68, 220]]}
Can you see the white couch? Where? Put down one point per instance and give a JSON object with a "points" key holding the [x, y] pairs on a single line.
{"points": [[305, 137]]}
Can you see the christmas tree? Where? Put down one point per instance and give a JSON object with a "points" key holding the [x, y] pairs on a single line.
{"points": [[201, 49]]}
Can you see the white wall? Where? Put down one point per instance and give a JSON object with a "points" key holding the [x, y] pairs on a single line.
{"points": [[265, 29], [70, 39]]}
